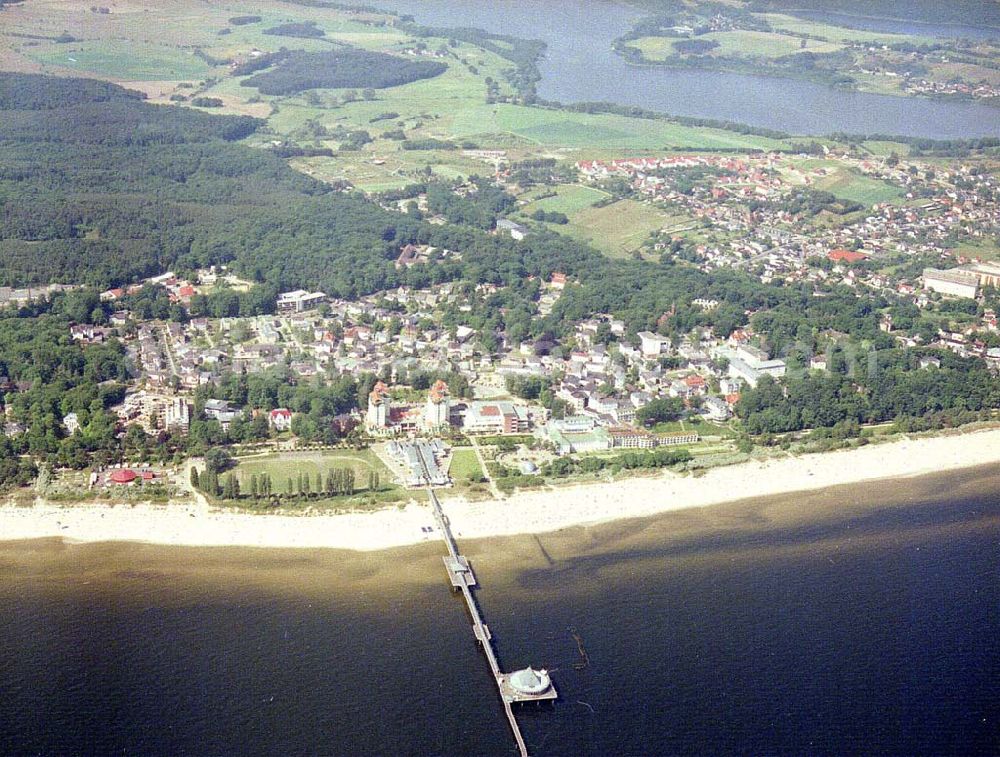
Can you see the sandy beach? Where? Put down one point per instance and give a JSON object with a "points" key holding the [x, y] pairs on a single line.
{"points": [[530, 512]]}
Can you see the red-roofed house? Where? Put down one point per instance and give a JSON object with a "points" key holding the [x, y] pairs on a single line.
{"points": [[280, 419], [846, 256], [695, 381], [112, 294]]}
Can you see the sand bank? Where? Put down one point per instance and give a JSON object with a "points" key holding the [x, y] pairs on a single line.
{"points": [[530, 512]]}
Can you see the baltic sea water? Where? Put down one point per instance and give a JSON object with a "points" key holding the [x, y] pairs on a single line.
{"points": [[863, 620]]}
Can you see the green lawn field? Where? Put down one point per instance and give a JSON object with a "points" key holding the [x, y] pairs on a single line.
{"points": [[465, 466]]}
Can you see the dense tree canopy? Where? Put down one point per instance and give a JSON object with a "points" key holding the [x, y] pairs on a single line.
{"points": [[298, 71]]}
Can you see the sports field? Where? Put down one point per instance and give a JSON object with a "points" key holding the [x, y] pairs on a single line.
{"points": [[287, 465]]}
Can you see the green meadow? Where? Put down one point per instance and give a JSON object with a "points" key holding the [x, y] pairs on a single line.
{"points": [[569, 198], [848, 185], [742, 43], [618, 229]]}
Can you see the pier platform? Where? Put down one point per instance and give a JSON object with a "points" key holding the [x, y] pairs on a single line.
{"points": [[459, 571], [510, 694]]}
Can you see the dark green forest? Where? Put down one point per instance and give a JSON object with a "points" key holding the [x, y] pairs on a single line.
{"points": [[99, 187], [307, 30], [298, 71]]}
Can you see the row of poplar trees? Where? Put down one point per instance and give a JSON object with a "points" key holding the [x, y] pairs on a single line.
{"points": [[338, 482]]}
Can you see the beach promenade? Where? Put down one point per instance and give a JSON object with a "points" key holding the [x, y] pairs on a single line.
{"points": [[539, 511]]}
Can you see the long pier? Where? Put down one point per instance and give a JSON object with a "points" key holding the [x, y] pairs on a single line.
{"points": [[463, 579]]}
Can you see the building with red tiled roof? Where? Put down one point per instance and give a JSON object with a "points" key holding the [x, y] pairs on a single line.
{"points": [[500, 417], [437, 410], [123, 476], [378, 407]]}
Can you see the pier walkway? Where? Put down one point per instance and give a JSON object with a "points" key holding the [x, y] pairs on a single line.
{"points": [[463, 579]]}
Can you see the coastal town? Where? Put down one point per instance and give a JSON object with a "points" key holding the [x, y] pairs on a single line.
{"points": [[436, 375]]}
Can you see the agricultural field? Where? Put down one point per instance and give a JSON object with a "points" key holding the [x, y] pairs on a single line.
{"points": [[287, 465], [984, 249], [765, 44], [967, 72], [842, 182], [833, 33], [557, 128], [129, 62], [884, 149]]}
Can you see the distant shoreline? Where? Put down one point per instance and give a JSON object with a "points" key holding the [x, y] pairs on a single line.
{"points": [[535, 512]]}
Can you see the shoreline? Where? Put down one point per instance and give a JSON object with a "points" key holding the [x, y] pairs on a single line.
{"points": [[533, 512]]}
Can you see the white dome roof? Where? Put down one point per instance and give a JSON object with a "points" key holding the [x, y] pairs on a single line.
{"points": [[530, 681]]}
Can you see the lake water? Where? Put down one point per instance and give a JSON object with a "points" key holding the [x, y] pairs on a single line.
{"points": [[862, 620], [580, 66]]}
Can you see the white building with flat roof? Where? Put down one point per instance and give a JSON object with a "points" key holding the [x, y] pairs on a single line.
{"points": [[749, 364], [956, 282], [299, 300], [177, 415], [652, 344]]}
